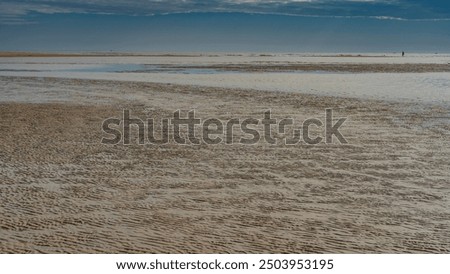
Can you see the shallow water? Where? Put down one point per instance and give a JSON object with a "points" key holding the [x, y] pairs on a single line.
{"points": [[109, 68], [432, 87]]}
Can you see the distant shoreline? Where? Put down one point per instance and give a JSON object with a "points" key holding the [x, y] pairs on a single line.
{"points": [[86, 54], [195, 54]]}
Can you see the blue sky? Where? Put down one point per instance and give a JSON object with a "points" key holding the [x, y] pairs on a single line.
{"points": [[230, 25]]}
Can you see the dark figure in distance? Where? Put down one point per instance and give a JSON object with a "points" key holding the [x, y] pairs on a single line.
{"points": [[403, 54]]}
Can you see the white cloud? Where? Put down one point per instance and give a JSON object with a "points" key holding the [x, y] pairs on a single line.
{"points": [[15, 11]]}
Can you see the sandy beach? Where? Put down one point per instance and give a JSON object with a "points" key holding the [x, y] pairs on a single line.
{"points": [[386, 191]]}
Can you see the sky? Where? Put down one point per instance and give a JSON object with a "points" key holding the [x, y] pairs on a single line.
{"points": [[226, 26]]}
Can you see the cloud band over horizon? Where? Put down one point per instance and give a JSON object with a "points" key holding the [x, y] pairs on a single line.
{"points": [[23, 11]]}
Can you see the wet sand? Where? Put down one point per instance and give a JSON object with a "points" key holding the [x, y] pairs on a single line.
{"points": [[328, 67], [415, 78], [386, 191]]}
